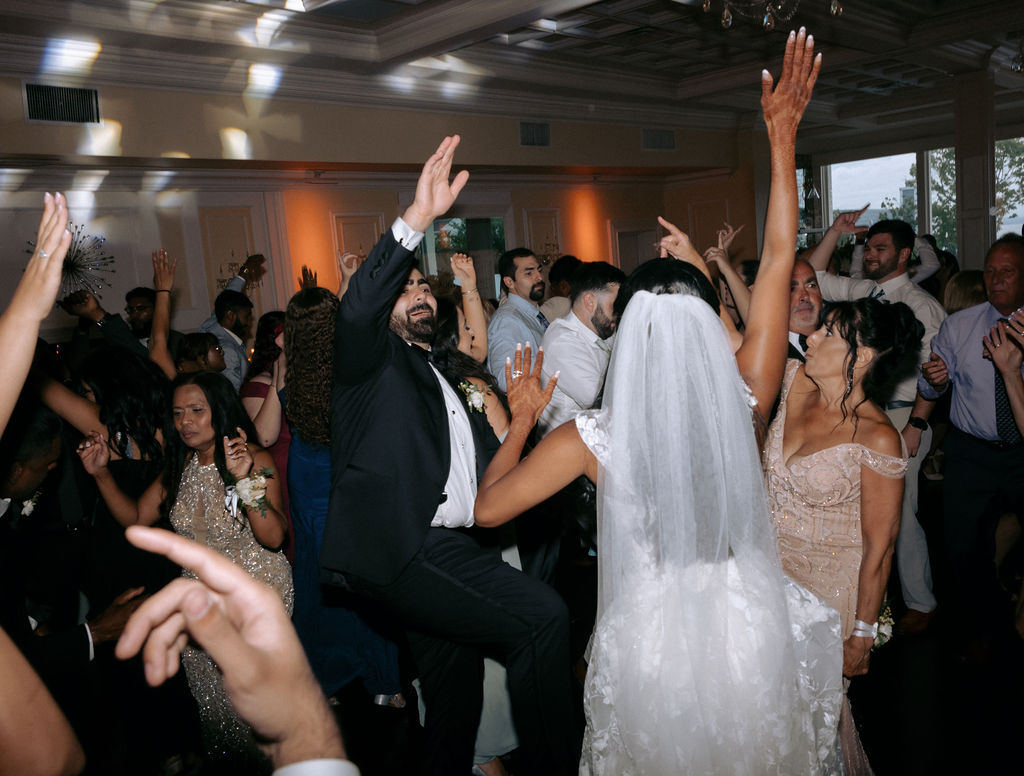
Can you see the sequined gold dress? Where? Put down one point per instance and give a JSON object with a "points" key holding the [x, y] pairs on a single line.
{"points": [[199, 513], [815, 505]]}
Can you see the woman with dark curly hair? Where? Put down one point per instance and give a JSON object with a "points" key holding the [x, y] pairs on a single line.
{"points": [[124, 398], [835, 466], [222, 491], [261, 397], [340, 645]]}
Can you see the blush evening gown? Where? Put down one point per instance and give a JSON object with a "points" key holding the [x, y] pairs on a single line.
{"points": [[815, 504]]}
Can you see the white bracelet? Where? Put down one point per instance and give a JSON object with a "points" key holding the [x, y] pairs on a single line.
{"points": [[864, 630]]}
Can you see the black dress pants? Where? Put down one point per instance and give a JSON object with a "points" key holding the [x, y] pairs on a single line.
{"points": [[459, 603]]}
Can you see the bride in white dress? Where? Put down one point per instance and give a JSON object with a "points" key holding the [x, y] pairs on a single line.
{"points": [[705, 657]]}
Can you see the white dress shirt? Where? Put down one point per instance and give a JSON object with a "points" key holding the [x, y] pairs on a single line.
{"points": [[572, 348], [898, 289], [457, 510], [324, 767]]}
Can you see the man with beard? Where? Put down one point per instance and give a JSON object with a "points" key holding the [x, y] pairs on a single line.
{"points": [[578, 345], [886, 258], [139, 304], [804, 307], [519, 319], [405, 466]]}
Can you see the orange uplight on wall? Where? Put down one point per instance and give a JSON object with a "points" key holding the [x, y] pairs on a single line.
{"points": [[309, 243], [586, 235]]}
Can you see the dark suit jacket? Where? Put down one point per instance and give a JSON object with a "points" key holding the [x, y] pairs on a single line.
{"points": [[390, 452]]}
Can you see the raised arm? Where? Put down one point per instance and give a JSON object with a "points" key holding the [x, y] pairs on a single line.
{"points": [[267, 413], [510, 486], [845, 223], [33, 300], [95, 455], [81, 413], [472, 304], [762, 355], [362, 324], [738, 289], [163, 282], [348, 263], [35, 737]]}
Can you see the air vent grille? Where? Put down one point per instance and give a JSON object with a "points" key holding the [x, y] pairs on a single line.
{"points": [[659, 140], [65, 104], [534, 133]]}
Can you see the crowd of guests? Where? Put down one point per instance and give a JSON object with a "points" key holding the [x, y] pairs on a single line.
{"points": [[407, 474]]}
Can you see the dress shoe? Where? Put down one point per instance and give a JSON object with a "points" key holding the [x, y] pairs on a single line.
{"points": [[914, 622]]}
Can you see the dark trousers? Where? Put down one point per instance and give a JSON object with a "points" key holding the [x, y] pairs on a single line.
{"points": [[980, 481], [459, 603]]}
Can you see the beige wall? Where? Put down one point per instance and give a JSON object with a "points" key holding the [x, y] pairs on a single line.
{"points": [[150, 123]]}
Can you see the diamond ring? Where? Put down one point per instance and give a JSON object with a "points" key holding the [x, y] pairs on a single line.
{"points": [[516, 374], [44, 255]]}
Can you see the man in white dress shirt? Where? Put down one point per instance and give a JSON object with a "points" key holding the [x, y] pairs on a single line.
{"points": [[579, 344], [886, 258]]}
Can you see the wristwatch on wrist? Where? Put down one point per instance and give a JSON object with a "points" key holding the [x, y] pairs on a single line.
{"points": [[918, 423]]}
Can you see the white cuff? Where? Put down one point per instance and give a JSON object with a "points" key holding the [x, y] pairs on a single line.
{"points": [[319, 768], [408, 237], [92, 651]]}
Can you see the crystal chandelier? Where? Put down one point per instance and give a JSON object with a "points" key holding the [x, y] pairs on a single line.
{"points": [[1017, 65], [768, 12]]}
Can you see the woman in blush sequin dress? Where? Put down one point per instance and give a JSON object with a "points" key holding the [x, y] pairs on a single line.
{"points": [[835, 466], [208, 452]]}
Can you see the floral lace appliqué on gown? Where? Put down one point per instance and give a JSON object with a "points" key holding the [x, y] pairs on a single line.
{"points": [[657, 704]]}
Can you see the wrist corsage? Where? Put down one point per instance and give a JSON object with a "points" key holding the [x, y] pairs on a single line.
{"points": [[474, 396], [251, 490]]}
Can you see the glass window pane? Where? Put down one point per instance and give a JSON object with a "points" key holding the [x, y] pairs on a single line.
{"points": [[942, 197], [887, 184], [1010, 185]]}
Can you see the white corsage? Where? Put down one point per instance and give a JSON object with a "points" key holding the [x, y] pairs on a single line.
{"points": [[885, 625], [251, 491], [474, 396], [29, 504]]}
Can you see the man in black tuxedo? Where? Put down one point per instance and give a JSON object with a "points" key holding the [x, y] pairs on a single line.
{"points": [[804, 308], [405, 466]]}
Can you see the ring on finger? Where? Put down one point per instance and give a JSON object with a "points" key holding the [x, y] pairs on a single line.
{"points": [[516, 374], [44, 255]]}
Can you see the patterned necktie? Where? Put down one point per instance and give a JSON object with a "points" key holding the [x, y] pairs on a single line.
{"points": [[542, 319], [1006, 426], [879, 294]]}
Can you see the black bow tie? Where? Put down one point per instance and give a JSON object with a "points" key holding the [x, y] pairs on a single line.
{"points": [[802, 339]]}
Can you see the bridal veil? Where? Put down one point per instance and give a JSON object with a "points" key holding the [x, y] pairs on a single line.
{"points": [[705, 658]]}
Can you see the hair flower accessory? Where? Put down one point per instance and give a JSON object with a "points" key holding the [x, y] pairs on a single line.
{"points": [[474, 396]]}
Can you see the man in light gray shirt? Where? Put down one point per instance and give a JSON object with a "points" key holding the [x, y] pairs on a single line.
{"points": [[519, 320]]}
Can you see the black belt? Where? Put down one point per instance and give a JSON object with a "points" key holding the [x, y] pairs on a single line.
{"points": [[993, 444]]}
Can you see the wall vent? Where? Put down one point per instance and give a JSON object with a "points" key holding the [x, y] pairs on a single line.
{"points": [[659, 140], [534, 133], [65, 104]]}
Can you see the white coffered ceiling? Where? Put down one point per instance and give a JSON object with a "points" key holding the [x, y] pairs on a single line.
{"points": [[889, 64]]}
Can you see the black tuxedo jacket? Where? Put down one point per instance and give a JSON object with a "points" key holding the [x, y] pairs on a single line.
{"points": [[390, 450]]}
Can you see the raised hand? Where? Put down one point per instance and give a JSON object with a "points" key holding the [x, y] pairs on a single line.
{"points": [[526, 398], [237, 456], [348, 263], [307, 278], [677, 245], [83, 304], [726, 235], [253, 270], [846, 223], [94, 453], [935, 372], [784, 106], [717, 255], [464, 271], [1003, 351], [244, 628], [34, 297], [434, 193], [163, 270]]}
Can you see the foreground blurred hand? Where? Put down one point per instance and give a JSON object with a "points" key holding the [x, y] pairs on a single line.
{"points": [[242, 625]]}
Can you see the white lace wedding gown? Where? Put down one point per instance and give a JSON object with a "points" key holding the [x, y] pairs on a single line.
{"points": [[705, 658]]}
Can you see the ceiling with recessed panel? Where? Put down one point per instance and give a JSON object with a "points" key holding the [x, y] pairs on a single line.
{"points": [[889, 64]]}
